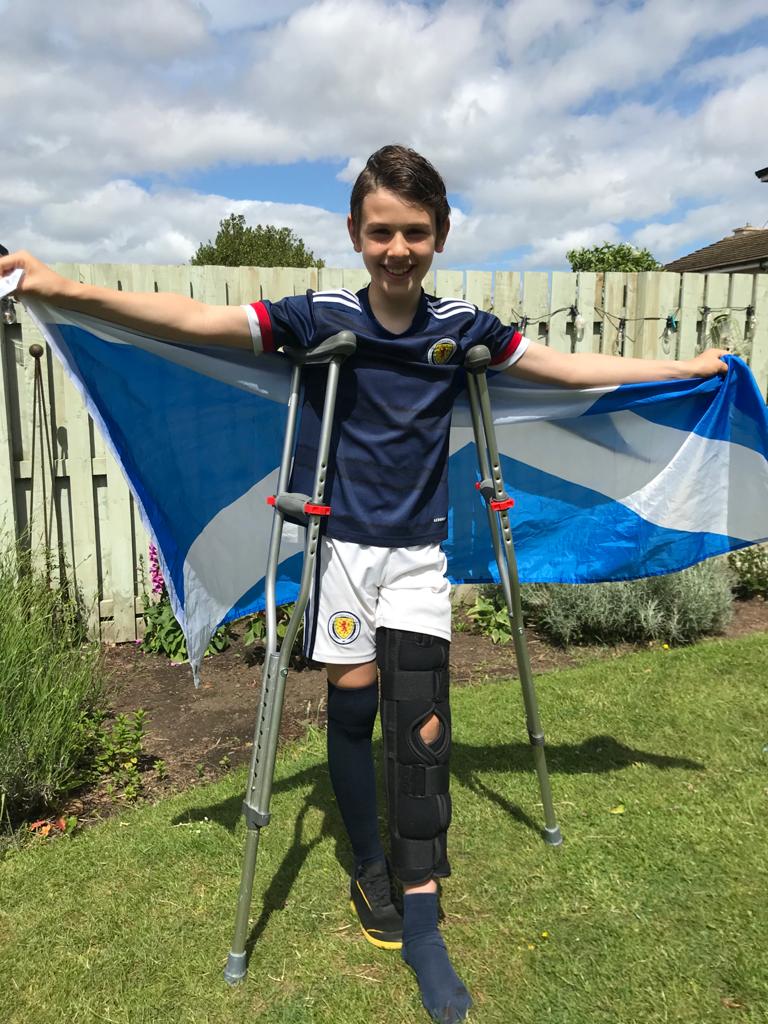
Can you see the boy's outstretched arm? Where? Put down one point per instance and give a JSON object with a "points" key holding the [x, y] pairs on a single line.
{"points": [[164, 314], [587, 369]]}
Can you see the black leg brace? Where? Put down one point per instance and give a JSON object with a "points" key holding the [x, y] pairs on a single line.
{"points": [[414, 686]]}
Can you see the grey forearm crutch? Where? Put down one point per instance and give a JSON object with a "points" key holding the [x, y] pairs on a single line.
{"points": [[309, 510], [497, 503]]}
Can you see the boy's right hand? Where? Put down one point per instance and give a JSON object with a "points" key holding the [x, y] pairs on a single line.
{"points": [[38, 280]]}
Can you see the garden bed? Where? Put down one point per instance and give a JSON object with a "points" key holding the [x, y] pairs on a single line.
{"points": [[200, 734]]}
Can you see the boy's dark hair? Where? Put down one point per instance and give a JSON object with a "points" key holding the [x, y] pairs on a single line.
{"points": [[410, 176]]}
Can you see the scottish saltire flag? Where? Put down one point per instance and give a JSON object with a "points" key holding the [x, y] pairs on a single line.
{"points": [[609, 483]]}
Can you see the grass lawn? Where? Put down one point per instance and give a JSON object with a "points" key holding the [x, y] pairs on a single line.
{"points": [[654, 909]]}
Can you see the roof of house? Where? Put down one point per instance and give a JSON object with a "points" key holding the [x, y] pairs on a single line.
{"points": [[746, 246]]}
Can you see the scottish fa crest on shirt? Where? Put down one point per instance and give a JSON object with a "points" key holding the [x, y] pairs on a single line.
{"points": [[441, 351], [344, 627]]}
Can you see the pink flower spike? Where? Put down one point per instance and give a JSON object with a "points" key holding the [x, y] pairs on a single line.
{"points": [[155, 572]]}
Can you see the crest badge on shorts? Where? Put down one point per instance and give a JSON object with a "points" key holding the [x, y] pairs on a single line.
{"points": [[441, 351], [343, 627]]}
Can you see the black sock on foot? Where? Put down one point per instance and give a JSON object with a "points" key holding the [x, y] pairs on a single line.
{"points": [[443, 993]]}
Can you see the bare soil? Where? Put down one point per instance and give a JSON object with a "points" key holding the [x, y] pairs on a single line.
{"points": [[201, 733]]}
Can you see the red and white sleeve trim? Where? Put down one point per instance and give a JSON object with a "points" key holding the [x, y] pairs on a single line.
{"points": [[511, 352], [261, 328]]}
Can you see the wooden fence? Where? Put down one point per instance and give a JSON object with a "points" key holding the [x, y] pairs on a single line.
{"points": [[76, 498]]}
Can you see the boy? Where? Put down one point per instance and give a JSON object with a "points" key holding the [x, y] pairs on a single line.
{"points": [[380, 606]]}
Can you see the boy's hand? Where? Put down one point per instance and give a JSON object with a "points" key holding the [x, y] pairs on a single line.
{"points": [[38, 280], [708, 363]]}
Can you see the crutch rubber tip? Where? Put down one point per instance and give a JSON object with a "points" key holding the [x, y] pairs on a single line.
{"points": [[552, 836], [236, 968]]}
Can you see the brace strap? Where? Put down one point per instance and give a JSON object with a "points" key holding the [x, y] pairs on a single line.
{"points": [[422, 780], [426, 685]]}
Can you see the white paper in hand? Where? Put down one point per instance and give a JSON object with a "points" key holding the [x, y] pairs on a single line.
{"points": [[10, 283]]}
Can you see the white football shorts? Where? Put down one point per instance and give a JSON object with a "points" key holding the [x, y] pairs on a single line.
{"points": [[359, 587]]}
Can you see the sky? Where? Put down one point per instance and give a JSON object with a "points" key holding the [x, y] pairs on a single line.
{"points": [[130, 130]]}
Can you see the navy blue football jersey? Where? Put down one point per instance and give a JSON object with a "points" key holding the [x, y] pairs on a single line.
{"points": [[387, 479]]}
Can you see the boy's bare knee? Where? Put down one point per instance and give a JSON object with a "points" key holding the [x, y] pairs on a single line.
{"points": [[430, 730], [352, 676]]}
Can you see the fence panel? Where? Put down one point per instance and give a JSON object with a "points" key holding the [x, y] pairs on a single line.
{"points": [[612, 310], [536, 304], [691, 303], [330, 277], [759, 360], [479, 288], [586, 284], [506, 296], [560, 331], [450, 284], [88, 509], [354, 278]]}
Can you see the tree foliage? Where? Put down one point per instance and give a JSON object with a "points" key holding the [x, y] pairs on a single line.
{"points": [[612, 256], [238, 245]]}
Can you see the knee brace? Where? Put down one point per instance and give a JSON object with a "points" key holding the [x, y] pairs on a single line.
{"points": [[414, 686]]}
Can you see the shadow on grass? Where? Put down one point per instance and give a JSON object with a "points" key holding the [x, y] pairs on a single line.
{"points": [[593, 755], [469, 763]]}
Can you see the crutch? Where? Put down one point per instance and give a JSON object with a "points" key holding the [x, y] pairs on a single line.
{"points": [[498, 503], [310, 511]]}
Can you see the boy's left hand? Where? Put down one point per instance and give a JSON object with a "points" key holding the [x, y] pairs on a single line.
{"points": [[708, 363]]}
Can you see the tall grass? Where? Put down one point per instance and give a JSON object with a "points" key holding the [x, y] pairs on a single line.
{"points": [[49, 679]]}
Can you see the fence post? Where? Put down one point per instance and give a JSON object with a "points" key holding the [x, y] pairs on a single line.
{"points": [[8, 513]]}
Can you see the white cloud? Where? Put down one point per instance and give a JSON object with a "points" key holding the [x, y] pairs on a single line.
{"points": [[97, 94], [707, 222], [734, 67], [237, 15], [122, 222]]}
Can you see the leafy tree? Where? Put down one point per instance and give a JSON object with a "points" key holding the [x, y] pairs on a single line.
{"points": [[612, 256], [238, 245]]}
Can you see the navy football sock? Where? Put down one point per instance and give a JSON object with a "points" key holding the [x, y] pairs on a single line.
{"points": [[443, 993], [351, 714]]}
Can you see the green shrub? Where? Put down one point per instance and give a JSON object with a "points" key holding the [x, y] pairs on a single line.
{"points": [[116, 751], [49, 681], [256, 631], [750, 570], [489, 613], [163, 635], [677, 609]]}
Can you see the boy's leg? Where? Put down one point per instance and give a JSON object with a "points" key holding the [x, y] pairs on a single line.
{"points": [[339, 631], [352, 707], [353, 698], [417, 736]]}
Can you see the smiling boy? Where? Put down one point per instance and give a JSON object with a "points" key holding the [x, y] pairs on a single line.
{"points": [[379, 614]]}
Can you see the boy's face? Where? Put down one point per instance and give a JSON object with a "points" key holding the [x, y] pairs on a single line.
{"points": [[397, 241]]}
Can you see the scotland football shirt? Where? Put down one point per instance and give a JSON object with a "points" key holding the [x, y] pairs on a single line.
{"points": [[387, 478]]}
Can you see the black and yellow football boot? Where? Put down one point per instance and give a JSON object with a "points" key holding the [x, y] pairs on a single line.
{"points": [[372, 900]]}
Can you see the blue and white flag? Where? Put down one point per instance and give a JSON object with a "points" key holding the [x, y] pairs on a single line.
{"points": [[609, 483]]}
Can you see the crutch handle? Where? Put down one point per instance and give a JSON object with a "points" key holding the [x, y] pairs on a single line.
{"points": [[478, 359], [338, 346]]}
